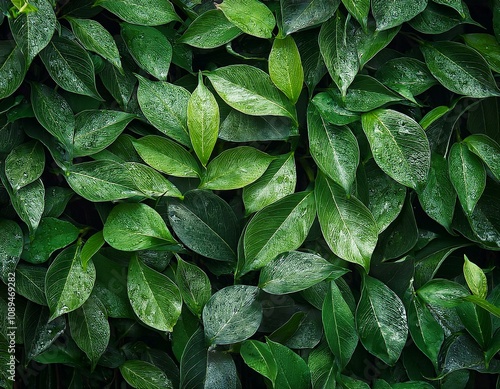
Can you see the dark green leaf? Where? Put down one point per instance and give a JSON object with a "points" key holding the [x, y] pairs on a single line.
{"points": [[477, 322], [193, 366], [11, 246], [25, 164], [366, 94], [258, 356], [150, 182], [443, 293], [30, 283], [394, 13], [436, 19], [300, 14], [193, 284], [29, 202], [372, 41], [312, 60], [359, 9], [293, 372], [251, 16], [332, 110], [147, 12], [487, 46], [321, 363], [144, 375], [486, 149], [13, 68], [121, 86]]}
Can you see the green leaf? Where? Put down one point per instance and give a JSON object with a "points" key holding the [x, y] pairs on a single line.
{"points": [[206, 224], [203, 121], [30, 283], [338, 51], [210, 30], [120, 86], [94, 37], [11, 247], [251, 91], [149, 48], [135, 226], [150, 182], [312, 61], [67, 285], [443, 293], [468, 176], [258, 356], [90, 329], [279, 227], [381, 321], [436, 19], [52, 234], [221, 371], [155, 298], [70, 66], [235, 168], [278, 181], [321, 363], [298, 15], [399, 146], [334, 149], [349, 228], [372, 41], [487, 46], [438, 197], [476, 279], [493, 348], [339, 325], [485, 304], [144, 375], [294, 271], [91, 247], [460, 69], [293, 372], [146, 13], [251, 16], [167, 156], [486, 149], [25, 164], [455, 4], [97, 129], [193, 363], [232, 314], [13, 68], [477, 322], [193, 284], [396, 12], [285, 67], [32, 31], [331, 108], [29, 202]]}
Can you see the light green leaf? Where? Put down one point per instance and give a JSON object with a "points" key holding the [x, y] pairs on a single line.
{"points": [[279, 227], [13, 68], [145, 13], [293, 372], [394, 13], [30, 283], [67, 285], [486, 149], [485, 304], [381, 321], [285, 67], [476, 279], [235, 168], [251, 16], [399, 146], [298, 15], [251, 91], [193, 284], [155, 298], [232, 314], [25, 164], [258, 356], [359, 9], [347, 225], [149, 48], [11, 247], [29, 202], [203, 121], [144, 375], [91, 247], [150, 182], [167, 156], [443, 293], [135, 226]]}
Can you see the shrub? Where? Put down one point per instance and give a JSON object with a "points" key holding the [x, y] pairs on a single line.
{"points": [[245, 193]]}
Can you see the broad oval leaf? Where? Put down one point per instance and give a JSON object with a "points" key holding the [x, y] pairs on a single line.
{"points": [[399, 146], [145, 13], [300, 14], [251, 16], [486, 149], [443, 293], [277, 228], [29, 203], [137, 226], [437, 19], [67, 285], [25, 164], [13, 68], [394, 13], [193, 284], [475, 278], [144, 375], [232, 314], [347, 225], [155, 298], [381, 321]]}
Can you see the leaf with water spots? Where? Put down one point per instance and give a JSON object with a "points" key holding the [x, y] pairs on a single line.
{"points": [[13, 68], [11, 246], [193, 284], [251, 16], [25, 164], [29, 203], [298, 15], [394, 13], [145, 13], [486, 149], [141, 375]]}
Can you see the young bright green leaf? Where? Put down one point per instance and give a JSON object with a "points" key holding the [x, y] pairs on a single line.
{"points": [[193, 284], [70, 66], [91, 247], [135, 226], [347, 225], [279, 227], [11, 247], [278, 181], [381, 321], [32, 31], [443, 293], [25, 164], [486, 149], [285, 67], [370, 42], [468, 176], [251, 91], [165, 106], [203, 121], [150, 182], [94, 37], [145, 13], [477, 322], [334, 149], [30, 283], [258, 356], [476, 279], [167, 156], [13, 68], [339, 325], [235, 168], [142, 375], [460, 69], [210, 30], [97, 129], [399, 146], [293, 372], [251, 16], [149, 48], [487, 46], [155, 298], [29, 202], [339, 51], [232, 314], [206, 224], [67, 285], [298, 15], [90, 329], [394, 13]]}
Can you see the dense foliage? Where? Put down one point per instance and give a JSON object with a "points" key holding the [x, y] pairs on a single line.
{"points": [[242, 193]]}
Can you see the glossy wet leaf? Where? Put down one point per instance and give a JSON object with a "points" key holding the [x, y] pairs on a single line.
{"points": [[150, 182], [475, 278], [487, 46], [120, 86], [321, 363], [193, 284], [29, 202], [258, 356], [142, 375], [442, 292], [359, 9], [13, 68], [30, 283], [251, 16], [370, 42], [312, 61], [11, 246], [332, 110], [437, 19], [147, 13], [366, 94], [394, 13], [193, 363], [300, 14], [25, 164], [155, 298], [486, 149], [293, 372], [477, 322], [91, 247]]}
